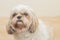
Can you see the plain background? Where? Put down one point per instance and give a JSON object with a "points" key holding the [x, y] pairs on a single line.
{"points": [[41, 7]]}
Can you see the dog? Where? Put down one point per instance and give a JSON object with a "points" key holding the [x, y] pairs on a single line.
{"points": [[25, 25]]}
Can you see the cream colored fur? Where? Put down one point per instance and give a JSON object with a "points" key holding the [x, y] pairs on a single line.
{"points": [[41, 33], [37, 29]]}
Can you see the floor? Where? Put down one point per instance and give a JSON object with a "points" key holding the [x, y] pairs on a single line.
{"points": [[54, 23]]}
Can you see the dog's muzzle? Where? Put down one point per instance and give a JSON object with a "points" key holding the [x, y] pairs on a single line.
{"points": [[19, 24], [19, 21]]}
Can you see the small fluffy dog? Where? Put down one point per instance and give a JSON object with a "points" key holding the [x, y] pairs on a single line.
{"points": [[24, 25]]}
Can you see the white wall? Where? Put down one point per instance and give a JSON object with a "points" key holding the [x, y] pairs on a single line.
{"points": [[41, 7]]}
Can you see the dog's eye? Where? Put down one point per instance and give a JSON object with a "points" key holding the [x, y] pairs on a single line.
{"points": [[14, 14], [25, 14]]}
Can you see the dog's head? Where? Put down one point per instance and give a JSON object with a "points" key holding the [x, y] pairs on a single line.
{"points": [[23, 19]]}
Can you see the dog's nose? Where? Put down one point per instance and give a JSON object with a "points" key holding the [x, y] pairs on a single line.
{"points": [[18, 17]]}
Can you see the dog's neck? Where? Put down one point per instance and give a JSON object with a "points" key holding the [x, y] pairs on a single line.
{"points": [[26, 35]]}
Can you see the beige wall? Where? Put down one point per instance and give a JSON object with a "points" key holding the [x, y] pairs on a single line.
{"points": [[41, 7]]}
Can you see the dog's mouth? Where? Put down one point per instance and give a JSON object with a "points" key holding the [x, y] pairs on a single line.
{"points": [[19, 21], [19, 24]]}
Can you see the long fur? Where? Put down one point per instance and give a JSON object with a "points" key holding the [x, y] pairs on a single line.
{"points": [[37, 29]]}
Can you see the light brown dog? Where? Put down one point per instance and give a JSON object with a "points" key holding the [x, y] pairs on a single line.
{"points": [[24, 25]]}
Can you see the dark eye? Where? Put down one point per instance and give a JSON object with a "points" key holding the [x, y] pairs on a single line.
{"points": [[26, 14], [14, 14]]}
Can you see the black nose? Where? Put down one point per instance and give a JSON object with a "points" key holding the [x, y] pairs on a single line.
{"points": [[18, 17]]}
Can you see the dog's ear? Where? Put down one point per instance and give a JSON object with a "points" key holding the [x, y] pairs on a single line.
{"points": [[34, 24], [9, 28]]}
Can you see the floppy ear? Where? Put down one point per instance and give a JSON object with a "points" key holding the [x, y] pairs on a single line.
{"points": [[10, 28], [34, 24]]}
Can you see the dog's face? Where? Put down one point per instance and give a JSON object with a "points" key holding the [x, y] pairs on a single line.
{"points": [[23, 19]]}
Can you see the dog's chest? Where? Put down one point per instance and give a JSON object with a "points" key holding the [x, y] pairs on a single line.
{"points": [[23, 36], [27, 36]]}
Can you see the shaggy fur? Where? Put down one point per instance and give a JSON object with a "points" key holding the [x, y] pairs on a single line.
{"points": [[24, 25]]}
